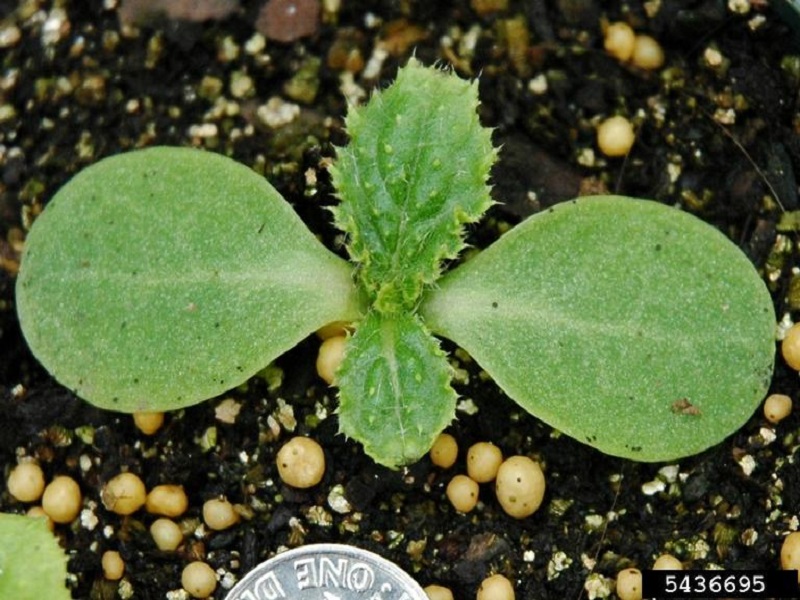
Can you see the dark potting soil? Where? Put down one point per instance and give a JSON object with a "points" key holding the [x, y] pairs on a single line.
{"points": [[717, 135]]}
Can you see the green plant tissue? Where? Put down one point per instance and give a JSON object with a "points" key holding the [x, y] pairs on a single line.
{"points": [[32, 564]]}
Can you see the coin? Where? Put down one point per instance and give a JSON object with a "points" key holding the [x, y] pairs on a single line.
{"points": [[327, 572]]}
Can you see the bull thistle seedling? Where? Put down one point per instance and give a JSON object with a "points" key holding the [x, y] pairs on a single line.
{"points": [[159, 278]]}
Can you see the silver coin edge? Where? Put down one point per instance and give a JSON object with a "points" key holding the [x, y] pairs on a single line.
{"points": [[350, 551]]}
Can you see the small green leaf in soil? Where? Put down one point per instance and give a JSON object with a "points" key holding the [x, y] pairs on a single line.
{"points": [[32, 564], [629, 325], [414, 172], [394, 388], [158, 278]]}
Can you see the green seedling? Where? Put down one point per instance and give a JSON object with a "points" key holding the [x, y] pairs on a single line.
{"points": [[32, 564], [159, 278]]}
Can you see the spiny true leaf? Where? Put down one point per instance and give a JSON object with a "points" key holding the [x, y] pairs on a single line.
{"points": [[394, 388], [32, 564], [629, 325], [159, 278], [414, 172]]}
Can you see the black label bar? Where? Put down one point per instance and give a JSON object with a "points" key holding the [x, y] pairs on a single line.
{"points": [[720, 584]]}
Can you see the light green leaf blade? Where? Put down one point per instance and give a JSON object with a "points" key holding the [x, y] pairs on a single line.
{"points": [[32, 564], [159, 278], [394, 389], [414, 172], [629, 325]]}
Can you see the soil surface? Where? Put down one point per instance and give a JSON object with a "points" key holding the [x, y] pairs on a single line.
{"points": [[717, 134]]}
